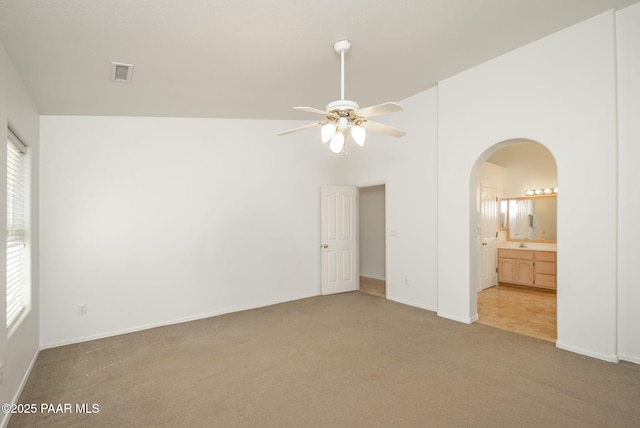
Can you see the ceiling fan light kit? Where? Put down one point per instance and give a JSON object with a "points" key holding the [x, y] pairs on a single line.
{"points": [[346, 114]]}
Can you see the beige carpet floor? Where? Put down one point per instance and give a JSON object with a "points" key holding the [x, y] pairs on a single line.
{"points": [[348, 360]]}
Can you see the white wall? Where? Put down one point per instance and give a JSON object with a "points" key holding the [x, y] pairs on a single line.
{"points": [[150, 221], [628, 26], [408, 168], [19, 347], [529, 166], [559, 91], [492, 175], [372, 232]]}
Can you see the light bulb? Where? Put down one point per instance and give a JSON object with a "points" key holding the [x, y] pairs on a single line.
{"points": [[327, 132], [337, 142], [538, 192], [547, 191], [359, 134], [529, 192]]}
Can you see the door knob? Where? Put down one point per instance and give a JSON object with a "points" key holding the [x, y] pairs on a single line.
{"points": [[325, 246]]}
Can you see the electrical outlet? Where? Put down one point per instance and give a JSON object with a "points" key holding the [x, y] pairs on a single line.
{"points": [[82, 309], [1, 373]]}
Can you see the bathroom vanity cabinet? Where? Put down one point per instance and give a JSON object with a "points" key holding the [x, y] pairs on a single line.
{"points": [[527, 267]]}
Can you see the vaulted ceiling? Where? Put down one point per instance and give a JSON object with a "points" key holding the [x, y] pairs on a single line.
{"points": [[257, 59]]}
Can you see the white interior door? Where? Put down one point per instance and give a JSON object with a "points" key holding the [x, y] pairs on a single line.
{"points": [[488, 234], [339, 219]]}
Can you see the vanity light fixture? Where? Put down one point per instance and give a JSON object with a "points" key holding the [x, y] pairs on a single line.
{"points": [[539, 192]]}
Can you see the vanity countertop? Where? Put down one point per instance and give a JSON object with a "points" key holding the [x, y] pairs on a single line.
{"points": [[531, 246]]}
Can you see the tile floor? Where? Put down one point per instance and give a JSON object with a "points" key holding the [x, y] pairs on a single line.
{"points": [[523, 310]]}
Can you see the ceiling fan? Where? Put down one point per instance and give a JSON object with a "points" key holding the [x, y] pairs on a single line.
{"points": [[345, 114]]}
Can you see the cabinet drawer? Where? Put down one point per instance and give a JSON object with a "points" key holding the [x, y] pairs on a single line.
{"points": [[545, 281], [515, 254], [548, 268], [545, 256]]}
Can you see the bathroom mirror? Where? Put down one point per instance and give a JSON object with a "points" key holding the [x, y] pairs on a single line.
{"points": [[530, 218]]}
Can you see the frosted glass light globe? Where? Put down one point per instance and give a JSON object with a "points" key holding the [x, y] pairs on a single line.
{"points": [[327, 132], [359, 134], [337, 142]]}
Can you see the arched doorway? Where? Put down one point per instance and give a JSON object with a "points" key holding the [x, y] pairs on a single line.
{"points": [[516, 234]]}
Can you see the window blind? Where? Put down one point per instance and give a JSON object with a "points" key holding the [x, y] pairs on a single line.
{"points": [[15, 228]]}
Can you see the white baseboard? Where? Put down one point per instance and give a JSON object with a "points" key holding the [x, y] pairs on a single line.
{"points": [[23, 383], [417, 305], [610, 358], [629, 358], [457, 318], [171, 322]]}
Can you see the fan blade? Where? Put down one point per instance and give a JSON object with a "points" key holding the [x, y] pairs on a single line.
{"points": [[379, 109], [382, 129], [315, 110], [302, 128]]}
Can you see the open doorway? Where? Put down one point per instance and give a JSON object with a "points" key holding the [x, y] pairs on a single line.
{"points": [[372, 242], [517, 228]]}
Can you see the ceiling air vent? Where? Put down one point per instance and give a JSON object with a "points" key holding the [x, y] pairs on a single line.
{"points": [[121, 72]]}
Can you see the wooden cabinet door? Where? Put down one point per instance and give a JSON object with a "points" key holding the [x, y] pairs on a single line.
{"points": [[507, 270], [524, 272]]}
